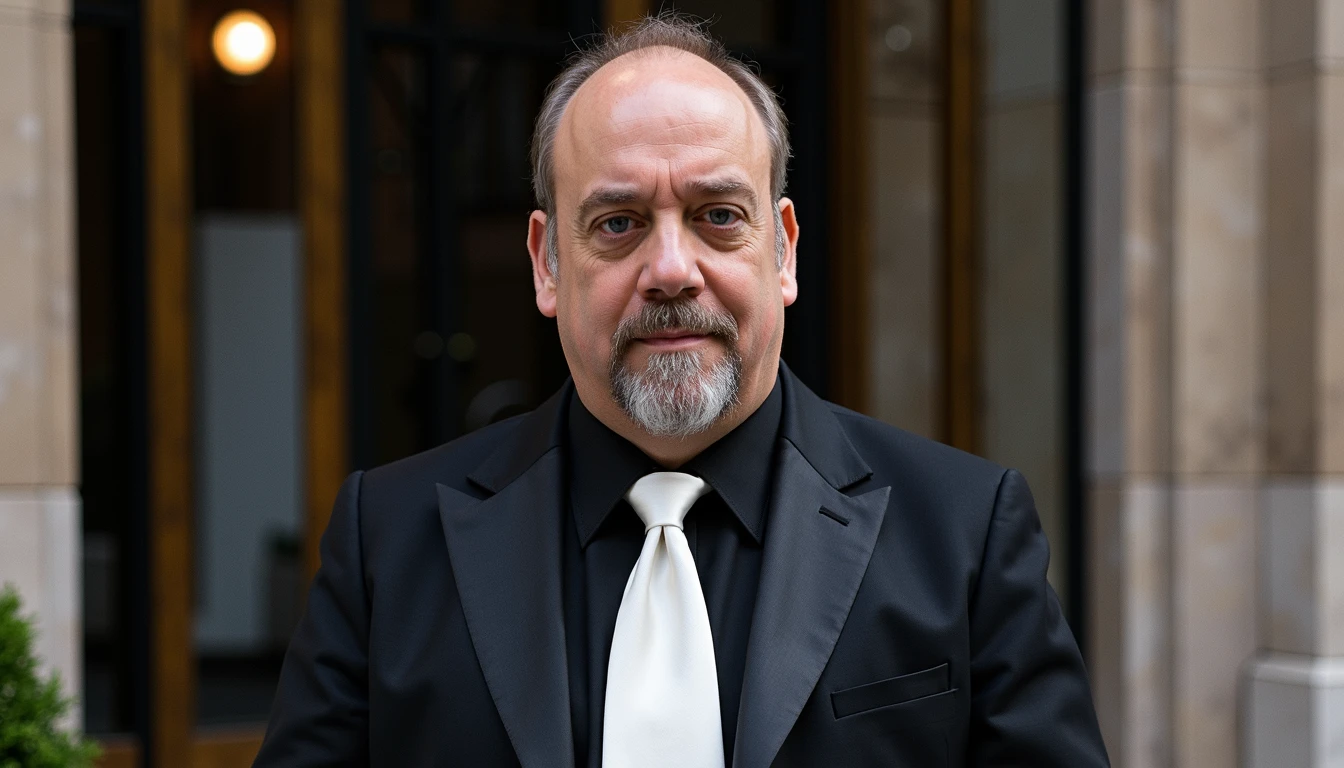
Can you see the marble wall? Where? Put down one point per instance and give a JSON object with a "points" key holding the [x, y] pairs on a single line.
{"points": [[1295, 688], [1216, 292], [39, 501], [1175, 131]]}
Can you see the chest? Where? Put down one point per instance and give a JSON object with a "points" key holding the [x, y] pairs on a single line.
{"points": [[430, 702]]}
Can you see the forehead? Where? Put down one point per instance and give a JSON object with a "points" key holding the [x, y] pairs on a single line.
{"points": [[658, 108]]}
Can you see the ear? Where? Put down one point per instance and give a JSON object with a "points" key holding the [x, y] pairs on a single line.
{"points": [[542, 279], [788, 272]]}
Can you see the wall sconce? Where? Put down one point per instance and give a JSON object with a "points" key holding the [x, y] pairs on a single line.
{"points": [[243, 42]]}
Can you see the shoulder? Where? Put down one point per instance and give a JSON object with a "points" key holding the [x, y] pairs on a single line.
{"points": [[943, 501], [398, 502], [917, 465], [447, 464]]}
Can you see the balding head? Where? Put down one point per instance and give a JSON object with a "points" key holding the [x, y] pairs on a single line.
{"points": [[659, 84], [666, 31], [657, 105]]}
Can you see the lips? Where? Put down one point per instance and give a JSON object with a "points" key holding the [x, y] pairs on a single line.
{"points": [[675, 325], [672, 339], [675, 333]]}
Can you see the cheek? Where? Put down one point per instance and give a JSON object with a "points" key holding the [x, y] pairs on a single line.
{"points": [[768, 326], [590, 307], [758, 308]]}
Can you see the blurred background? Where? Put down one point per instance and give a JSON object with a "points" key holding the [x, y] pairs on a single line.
{"points": [[1100, 241]]}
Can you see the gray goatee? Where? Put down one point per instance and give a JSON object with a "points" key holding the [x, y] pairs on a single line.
{"points": [[674, 395]]}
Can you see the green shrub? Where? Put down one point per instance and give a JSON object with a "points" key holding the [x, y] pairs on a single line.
{"points": [[29, 705]]}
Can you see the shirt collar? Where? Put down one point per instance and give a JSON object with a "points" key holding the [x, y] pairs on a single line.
{"points": [[603, 466]]}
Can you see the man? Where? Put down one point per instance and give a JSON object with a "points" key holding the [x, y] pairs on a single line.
{"points": [[684, 557]]}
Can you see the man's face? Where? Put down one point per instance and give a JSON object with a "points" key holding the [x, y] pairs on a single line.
{"points": [[668, 297]]}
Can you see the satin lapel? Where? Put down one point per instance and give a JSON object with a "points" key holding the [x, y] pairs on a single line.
{"points": [[505, 553], [818, 542]]}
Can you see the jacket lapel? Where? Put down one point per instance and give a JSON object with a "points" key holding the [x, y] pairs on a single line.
{"points": [[505, 555], [818, 542]]}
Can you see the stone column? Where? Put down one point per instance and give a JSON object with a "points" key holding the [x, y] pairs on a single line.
{"points": [[1129, 392], [1176, 451], [1295, 686], [1216, 292], [39, 498]]}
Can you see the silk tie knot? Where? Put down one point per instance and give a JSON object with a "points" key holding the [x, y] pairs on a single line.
{"points": [[664, 498]]}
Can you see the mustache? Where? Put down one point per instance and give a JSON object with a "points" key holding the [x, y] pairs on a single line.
{"points": [[686, 315]]}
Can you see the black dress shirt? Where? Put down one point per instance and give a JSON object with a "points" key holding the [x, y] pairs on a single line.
{"points": [[725, 528]]}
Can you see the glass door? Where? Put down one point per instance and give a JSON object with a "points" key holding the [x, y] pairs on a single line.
{"points": [[445, 337], [208, 402]]}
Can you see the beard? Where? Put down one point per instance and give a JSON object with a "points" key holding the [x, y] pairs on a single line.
{"points": [[675, 395]]}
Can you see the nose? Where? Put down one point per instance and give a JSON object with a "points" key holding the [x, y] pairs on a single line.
{"points": [[671, 267]]}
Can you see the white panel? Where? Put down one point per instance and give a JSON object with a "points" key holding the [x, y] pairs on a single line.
{"points": [[1295, 712], [1024, 41], [248, 416]]}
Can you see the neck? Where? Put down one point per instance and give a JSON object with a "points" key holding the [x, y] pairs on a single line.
{"points": [[672, 452]]}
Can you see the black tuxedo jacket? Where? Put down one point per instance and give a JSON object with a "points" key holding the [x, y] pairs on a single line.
{"points": [[903, 617]]}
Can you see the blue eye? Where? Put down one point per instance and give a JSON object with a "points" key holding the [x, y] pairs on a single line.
{"points": [[617, 225], [721, 217]]}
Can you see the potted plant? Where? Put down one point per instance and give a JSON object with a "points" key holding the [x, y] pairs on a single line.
{"points": [[31, 705]]}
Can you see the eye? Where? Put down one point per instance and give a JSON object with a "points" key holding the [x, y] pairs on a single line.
{"points": [[721, 217], [617, 225]]}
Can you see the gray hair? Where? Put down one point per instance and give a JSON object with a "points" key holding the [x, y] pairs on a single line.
{"points": [[674, 396], [668, 30]]}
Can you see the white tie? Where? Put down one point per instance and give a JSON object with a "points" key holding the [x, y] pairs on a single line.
{"points": [[662, 704]]}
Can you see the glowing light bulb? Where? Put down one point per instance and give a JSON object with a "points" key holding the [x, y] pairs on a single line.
{"points": [[244, 42]]}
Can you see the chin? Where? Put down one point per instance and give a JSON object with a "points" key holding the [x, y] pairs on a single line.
{"points": [[678, 393]]}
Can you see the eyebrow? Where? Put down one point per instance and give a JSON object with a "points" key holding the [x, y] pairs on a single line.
{"points": [[723, 187], [602, 197], [713, 187]]}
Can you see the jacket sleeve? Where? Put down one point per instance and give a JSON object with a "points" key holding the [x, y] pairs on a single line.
{"points": [[1030, 703], [321, 709]]}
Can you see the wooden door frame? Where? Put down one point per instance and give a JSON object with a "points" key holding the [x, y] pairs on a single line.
{"points": [[850, 268], [320, 78], [850, 246], [621, 12], [174, 739], [168, 214], [962, 136]]}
